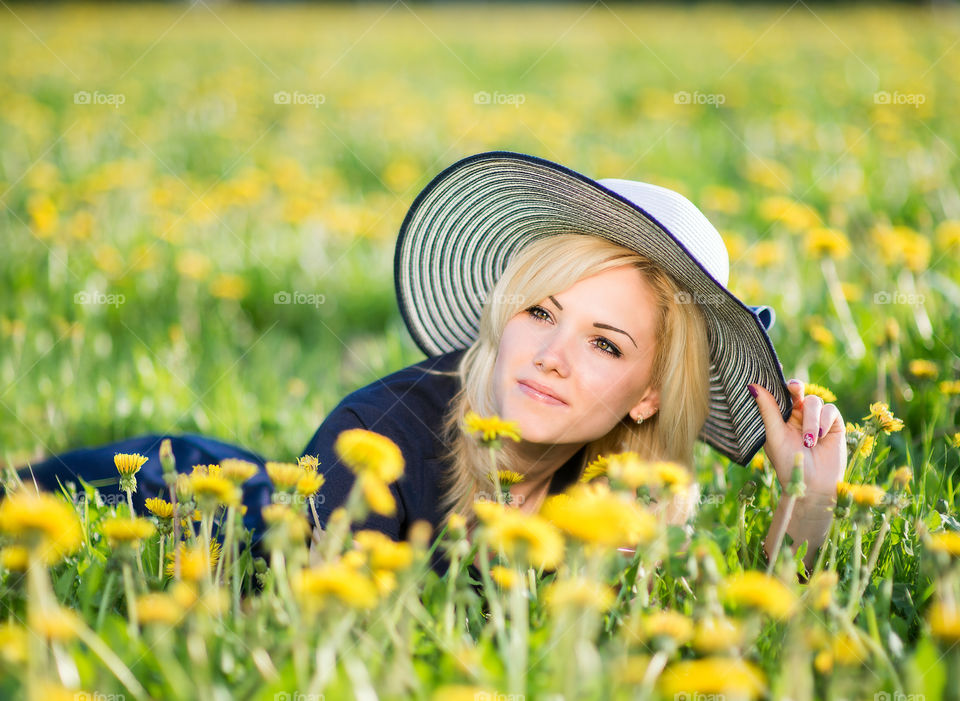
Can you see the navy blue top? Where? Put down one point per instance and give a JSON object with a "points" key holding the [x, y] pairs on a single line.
{"points": [[407, 406]]}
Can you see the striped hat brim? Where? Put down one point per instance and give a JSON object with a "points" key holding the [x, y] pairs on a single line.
{"points": [[465, 225]]}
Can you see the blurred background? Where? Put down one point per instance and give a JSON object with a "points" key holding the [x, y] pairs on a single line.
{"points": [[200, 201]]}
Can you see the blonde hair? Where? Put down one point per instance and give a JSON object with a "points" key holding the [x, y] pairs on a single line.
{"points": [[681, 365]]}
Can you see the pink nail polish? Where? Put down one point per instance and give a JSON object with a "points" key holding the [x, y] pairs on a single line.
{"points": [[821, 432], [752, 390], [808, 440]]}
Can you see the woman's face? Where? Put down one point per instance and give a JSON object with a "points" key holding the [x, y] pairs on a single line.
{"points": [[594, 343]]}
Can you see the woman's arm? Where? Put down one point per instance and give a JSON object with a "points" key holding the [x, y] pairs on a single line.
{"points": [[816, 431]]}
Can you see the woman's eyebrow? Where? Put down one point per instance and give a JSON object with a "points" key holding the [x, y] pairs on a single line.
{"points": [[598, 324], [614, 328]]}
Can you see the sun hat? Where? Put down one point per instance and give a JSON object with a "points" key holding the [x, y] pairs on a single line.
{"points": [[465, 225]]}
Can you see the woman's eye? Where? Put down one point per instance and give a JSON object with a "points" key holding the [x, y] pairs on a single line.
{"points": [[605, 346], [536, 313]]}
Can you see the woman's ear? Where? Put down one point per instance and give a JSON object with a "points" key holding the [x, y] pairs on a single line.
{"points": [[647, 405]]}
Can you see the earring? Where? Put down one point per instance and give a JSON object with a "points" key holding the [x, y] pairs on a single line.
{"points": [[639, 419]]}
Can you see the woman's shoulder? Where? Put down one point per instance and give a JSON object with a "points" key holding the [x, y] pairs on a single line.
{"points": [[423, 387]]}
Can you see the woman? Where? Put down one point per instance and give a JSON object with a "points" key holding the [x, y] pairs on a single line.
{"points": [[595, 314]]}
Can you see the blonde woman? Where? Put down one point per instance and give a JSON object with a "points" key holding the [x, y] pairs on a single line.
{"points": [[596, 315]]}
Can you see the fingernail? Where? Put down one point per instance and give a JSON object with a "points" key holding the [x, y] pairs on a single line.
{"points": [[793, 382], [752, 390], [808, 440], [821, 432]]}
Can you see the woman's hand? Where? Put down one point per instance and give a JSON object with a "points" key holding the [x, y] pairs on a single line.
{"points": [[818, 432], [815, 429]]}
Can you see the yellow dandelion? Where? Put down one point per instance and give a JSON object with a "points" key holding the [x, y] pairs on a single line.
{"points": [[159, 609], [760, 591], [13, 643], [579, 593], [310, 483], [861, 494], [819, 391], [56, 623], [366, 452], [944, 622], [462, 692], [713, 675], [43, 522], [214, 489], [866, 445], [634, 472], [947, 542], [663, 624], [490, 429], [824, 242], [213, 469], [336, 582], [884, 419], [954, 440], [383, 552], [309, 463], [593, 514], [129, 464], [520, 535], [195, 563], [597, 468], [923, 369], [377, 494], [902, 476], [281, 516], [632, 669], [714, 636], [127, 531], [457, 523], [238, 471], [505, 577], [161, 508], [821, 589], [284, 475], [15, 558], [508, 478], [949, 387]]}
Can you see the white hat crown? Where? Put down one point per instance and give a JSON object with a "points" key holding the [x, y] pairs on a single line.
{"points": [[682, 219]]}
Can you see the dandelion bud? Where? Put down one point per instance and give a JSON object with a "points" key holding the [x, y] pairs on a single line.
{"points": [[168, 462], [797, 487]]}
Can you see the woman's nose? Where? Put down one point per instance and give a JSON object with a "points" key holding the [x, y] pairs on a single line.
{"points": [[554, 355]]}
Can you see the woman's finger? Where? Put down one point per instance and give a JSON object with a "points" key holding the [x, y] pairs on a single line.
{"points": [[812, 407], [830, 420], [796, 388]]}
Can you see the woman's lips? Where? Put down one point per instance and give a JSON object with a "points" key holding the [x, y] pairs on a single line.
{"points": [[542, 396]]}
